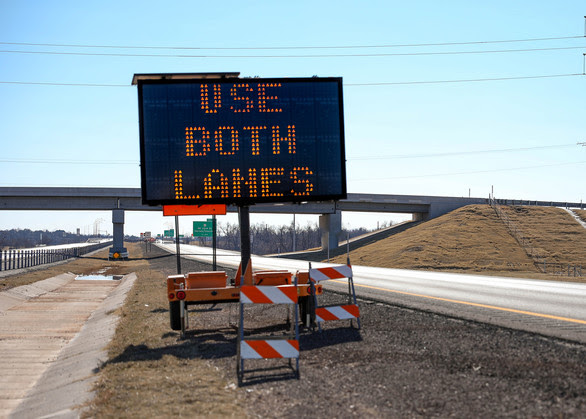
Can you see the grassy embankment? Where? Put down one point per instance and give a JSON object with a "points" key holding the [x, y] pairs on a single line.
{"points": [[472, 239]]}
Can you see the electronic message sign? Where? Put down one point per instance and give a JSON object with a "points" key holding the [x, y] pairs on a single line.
{"points": [[241, 141]]}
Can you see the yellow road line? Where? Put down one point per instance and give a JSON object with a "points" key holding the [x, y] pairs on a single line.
{"points": [[511, 310]]}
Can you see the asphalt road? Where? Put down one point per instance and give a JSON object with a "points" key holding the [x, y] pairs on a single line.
{"points": [[551, 308]]}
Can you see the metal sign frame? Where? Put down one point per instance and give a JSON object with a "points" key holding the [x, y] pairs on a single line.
{"points": [[324, 147]]}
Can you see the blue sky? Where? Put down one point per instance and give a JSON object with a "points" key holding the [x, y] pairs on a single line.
{"points": [[401, 138]]}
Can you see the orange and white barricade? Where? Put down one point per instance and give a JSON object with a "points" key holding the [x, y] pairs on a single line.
{"points": [[348, 311], [264, 347]]}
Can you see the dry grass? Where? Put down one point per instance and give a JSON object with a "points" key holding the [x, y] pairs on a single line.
{"points": [[151, 372], [553, 232], [472, 239]]}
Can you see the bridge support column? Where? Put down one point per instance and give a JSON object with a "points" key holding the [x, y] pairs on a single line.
{"points": [[118, 251], [331, 228], [418, 216]]}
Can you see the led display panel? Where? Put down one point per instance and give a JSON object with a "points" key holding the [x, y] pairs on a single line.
{"points": [[241, 141]]}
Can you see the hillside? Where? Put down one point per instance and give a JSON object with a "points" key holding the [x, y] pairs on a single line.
{"points": [[474, 239], [555, 234]]}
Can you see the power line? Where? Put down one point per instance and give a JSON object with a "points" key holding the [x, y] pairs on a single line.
{"points": [[397, 54], [404, 156], [64, 84], [345, 84], [469, 173], [415, 45], [50, 161], [461, 153], [464, 80]]}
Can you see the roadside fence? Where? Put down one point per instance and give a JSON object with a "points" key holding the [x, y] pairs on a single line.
{"points": [[19, 259], [561, 269], [555, 268]]}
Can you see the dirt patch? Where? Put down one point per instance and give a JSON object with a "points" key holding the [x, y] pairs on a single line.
{"points": [[151, 372]]}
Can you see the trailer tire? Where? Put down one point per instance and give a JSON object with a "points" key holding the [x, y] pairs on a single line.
{"points": [[307, 306], [175, 315]]}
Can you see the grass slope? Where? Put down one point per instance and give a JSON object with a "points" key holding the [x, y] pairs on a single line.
{"points": [[473, 239], [553, 232]]}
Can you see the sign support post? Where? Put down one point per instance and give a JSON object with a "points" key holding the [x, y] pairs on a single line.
{"points": [[177, 246], [214, 242], [244, 221]]}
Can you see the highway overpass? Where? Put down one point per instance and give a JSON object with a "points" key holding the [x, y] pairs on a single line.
{"points": [[129, 199]]}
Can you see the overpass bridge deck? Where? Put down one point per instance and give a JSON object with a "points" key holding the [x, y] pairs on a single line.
{"points": [[130, 199]]}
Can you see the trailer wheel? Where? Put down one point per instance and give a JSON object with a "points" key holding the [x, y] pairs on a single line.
{"points": [[175, 315], [307, 306]]}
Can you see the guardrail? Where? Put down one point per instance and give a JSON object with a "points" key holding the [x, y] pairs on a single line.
{"points": [[19, 259]]}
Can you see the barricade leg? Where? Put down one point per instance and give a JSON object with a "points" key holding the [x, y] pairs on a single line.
{"points": [[269, 346], [239, 359], [351, 282], [349, 311]]}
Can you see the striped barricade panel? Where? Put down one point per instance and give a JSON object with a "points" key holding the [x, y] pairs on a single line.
{"points": [[259, 349], [283, 294], [332, 272], [266, 347], [341, 312], [344, 312]]}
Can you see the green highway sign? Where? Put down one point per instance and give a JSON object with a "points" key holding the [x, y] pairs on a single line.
{"points": [[169, 233], [202, 228]]}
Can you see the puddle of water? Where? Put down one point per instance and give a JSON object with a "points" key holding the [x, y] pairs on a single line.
{"points": [[98, 277]]}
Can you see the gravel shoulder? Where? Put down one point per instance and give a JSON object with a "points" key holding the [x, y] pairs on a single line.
{"points": [[402, 363]]}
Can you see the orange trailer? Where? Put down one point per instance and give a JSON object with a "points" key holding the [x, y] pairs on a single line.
{"points": [[214, 287]]}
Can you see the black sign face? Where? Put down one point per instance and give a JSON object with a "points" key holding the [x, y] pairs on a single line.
{"points": [[241, 141]]}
